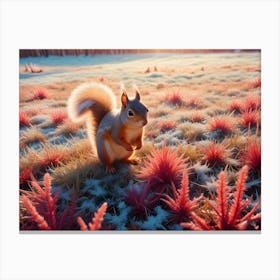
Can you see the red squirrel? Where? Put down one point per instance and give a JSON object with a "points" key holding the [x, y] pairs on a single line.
{"points": [[114, 134]]}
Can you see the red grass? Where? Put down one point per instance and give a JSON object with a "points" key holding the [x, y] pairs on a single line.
{"points": [[166, 125], [215, 153], [141, 199], [40, 93], [58, 117], [252, 102], [233, 219], [96, 220], [34, 215], [50, 158], [175, 98], [223, 124], [181, 206], [231, 214], [42, 201], [235, 106], [162, 166], [250, 118], [193, 102], [23, 119], [223, 192], [51, 202], [25, 175], [196, 117], [252, 155], [256, 83], [41, 205], [197, 223]]}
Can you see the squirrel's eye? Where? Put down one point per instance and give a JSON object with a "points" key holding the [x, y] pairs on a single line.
{"points": [[130, 113]]}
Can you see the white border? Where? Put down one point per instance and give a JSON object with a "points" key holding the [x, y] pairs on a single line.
{"points": [[165, 24]]}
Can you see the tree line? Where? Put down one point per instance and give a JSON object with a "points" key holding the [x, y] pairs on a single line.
{"points": [[63, 52]]}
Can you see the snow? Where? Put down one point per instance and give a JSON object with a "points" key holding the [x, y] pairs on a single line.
{"points": [[155, 222], [94, 187], [120, 220], [122, 67]]}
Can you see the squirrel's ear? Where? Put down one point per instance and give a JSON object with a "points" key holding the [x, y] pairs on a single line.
{"points": [[137, 95], [137, 92], [124, 99]]}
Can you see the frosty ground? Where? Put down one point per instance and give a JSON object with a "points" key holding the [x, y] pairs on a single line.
{"points": [[204, 113]]}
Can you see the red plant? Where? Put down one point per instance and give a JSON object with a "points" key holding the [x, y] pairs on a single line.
{"points": [[223, 124], [256, 83], [196, 117], [162, 166], [193, 102], [197, 223], [223, 192], [58, 117], [50, 158], [235, 106], [250, 118], [181, 206], [252, 102], [43, 197], [40, 93], [96, 220], [141, 199], [41, 205], [34, 215], [229, 216], [166, 125], [23, 119], [175, 98], [25, 175], [215, 153], [252, 155]]}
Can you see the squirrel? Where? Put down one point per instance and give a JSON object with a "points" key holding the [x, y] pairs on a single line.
{"points": [[114, 134]]}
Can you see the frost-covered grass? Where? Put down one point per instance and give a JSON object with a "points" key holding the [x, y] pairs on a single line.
{"points": [[204, 118]]}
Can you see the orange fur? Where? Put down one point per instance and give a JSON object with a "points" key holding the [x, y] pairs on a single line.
{"points": [[102, 99], [123, 137], [107, 160], [138, 140], [113, 135]]}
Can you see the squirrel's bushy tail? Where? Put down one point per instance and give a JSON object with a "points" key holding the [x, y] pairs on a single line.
{"points": [[90, 102]]}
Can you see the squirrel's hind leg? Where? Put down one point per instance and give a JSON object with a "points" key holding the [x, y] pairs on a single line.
{"points": [[108, 163]]}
